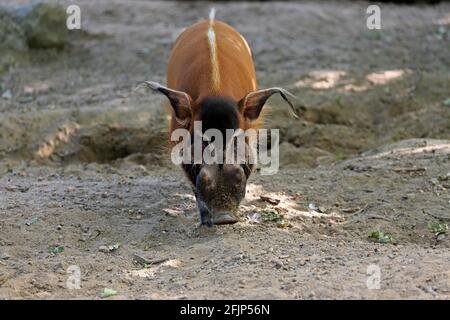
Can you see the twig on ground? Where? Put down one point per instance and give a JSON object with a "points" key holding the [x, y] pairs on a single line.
{"points": [[270, 200], [408, 169], [146, 262], [435, 216]]}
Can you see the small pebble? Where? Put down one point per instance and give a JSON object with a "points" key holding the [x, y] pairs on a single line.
{"points": [[4, 256], [440, 237], [7, 94], [277, 264], [103, 249]]}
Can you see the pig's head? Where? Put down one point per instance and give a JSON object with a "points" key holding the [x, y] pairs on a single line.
{"points": [[219, 187]]}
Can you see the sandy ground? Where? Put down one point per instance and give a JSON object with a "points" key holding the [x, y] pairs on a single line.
{"points": [[84, 165]]}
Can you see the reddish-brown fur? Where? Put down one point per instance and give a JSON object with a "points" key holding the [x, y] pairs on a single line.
{"points": [[211, 78], [191, 67]]}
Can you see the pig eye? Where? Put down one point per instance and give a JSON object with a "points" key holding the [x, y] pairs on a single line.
{"points": [[192, 170]]}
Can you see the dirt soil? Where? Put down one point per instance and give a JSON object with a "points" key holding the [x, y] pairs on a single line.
{"points": [[86, 180]]}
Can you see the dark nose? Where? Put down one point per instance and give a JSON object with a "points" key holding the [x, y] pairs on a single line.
{"points": [[224, 218]]}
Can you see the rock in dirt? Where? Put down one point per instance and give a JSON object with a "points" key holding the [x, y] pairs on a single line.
{"points": [[7, 94], [43, 24], [4, 256], [440, 237], [109, 248], [12, 40], [104, 249]]}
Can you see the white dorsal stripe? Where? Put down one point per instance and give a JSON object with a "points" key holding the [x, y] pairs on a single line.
{"points": [[212, 15], [211, 35]]}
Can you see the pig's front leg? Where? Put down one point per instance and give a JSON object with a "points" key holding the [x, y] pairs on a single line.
{"points": [[205, 215]]}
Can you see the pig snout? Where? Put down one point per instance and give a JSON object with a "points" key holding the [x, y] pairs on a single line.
{"points": [[220, 189]]}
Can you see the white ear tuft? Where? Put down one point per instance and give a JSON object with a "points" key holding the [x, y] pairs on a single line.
{"points": [[151, 84]]}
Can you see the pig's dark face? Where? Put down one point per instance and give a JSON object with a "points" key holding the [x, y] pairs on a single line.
{"points": [[219, 188]]}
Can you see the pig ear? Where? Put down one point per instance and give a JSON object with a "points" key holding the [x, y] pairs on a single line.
{"points": [[180, 101], [252, 104]]}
